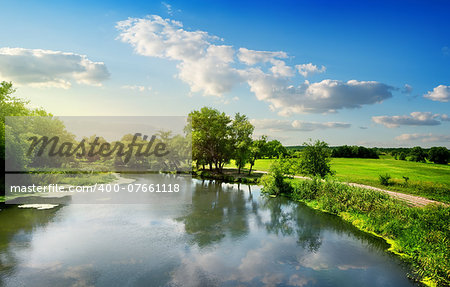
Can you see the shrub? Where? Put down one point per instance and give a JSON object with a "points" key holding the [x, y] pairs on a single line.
{"points": [[273, 182], [384, 179]]}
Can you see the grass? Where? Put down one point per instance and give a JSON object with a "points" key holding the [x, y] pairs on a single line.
{"points": [[425, 179], [420, 236]]}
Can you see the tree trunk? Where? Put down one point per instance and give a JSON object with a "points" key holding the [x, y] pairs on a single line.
{"points": [[239, 169]]}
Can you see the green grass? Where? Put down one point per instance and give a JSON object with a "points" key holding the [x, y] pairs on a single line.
{"points": [[425, 179], [367, 170]]}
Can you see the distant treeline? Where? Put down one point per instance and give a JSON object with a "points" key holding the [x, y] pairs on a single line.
{"points": [[340, 151], [354, 152], [439, 155]]}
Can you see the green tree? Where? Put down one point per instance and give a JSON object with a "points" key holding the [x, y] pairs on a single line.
{"points": [[257, 149], [315, 159], [241, 131], [417, 154], [439, 155], [274, 148], [211, 137]]}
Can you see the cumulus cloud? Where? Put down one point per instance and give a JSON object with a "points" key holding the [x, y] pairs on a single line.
{"points": [[204, 66], [252, 57], [414, 119], [439, 94], [213, 70], [308, 69], [326, 96], [47, 68], [275, 125], [423, 137]]}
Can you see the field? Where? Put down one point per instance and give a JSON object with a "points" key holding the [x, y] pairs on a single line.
{"points": [[425, 179]]}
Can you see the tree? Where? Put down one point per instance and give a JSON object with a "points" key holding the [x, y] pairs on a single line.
{"points": [[417, 154], [211, 137], [257, 149], [439, 155], [274, 148], [241, 131], [315, 159]]}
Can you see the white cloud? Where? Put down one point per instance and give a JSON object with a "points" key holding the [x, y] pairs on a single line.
{"points": [[137, 88], [252, 57], [204, 66], [168, 7], [326, 96], [414, 119], [214, 70], [308, 69], [423, 137], [440, 94], [46, 68], [285, 125]]}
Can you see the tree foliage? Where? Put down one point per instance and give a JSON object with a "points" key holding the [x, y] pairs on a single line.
{"points": [[241, 133], [257, 150], [439, 155], [315, 159], [417, 154], [354, 152], [211, 137]]}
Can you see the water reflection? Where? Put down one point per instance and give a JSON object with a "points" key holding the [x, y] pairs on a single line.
{"points": [[229, 236], [216, 210]]}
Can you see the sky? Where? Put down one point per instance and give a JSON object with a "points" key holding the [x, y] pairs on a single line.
{"points": [[371, 73]]}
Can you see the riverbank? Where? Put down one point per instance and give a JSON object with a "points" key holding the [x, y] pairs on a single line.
{"points": [[419, 235], [229, 175]]}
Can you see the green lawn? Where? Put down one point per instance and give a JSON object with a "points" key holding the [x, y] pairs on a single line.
{"points": [[426, 179]]}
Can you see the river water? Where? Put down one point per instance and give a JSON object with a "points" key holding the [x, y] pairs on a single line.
{"points": [[229, 235]]}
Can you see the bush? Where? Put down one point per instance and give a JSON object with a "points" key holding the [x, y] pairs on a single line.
{"points": [[274, 182], [384, 179]]}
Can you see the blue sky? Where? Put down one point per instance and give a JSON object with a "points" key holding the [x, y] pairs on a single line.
{"points": [[370, 73]]}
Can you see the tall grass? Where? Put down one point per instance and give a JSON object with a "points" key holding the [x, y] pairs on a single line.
{"points": [[421, 235]]}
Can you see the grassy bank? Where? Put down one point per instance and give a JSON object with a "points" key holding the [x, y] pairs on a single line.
{"points": [[425, 179], [420, 235]]}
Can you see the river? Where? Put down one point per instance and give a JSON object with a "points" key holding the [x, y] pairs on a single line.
{"points": [[229, 235]]}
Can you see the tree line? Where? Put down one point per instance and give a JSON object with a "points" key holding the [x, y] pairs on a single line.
{"points": [[439, 155]]}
